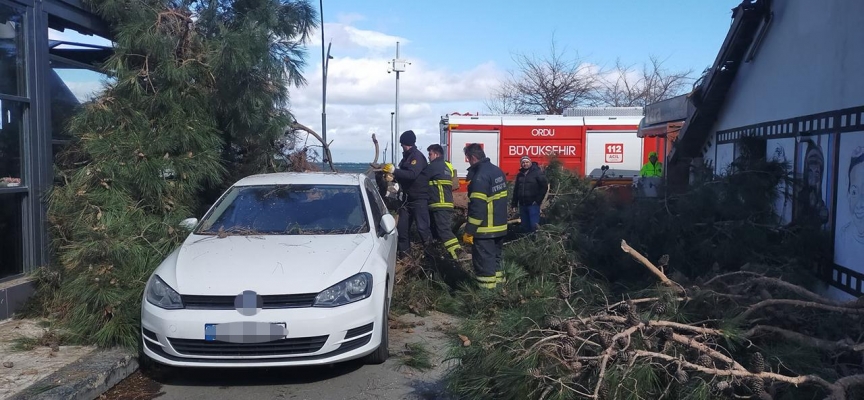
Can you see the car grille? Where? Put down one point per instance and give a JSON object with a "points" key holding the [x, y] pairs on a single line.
{"points": [[273, 301], [275, 348], [358, 331]]}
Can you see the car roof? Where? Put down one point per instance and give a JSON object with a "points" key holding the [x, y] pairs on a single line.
{"points": [[302, 178]]}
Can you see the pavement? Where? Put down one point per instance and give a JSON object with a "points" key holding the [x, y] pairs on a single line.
{"points": [[33, 366], [349, 381]]}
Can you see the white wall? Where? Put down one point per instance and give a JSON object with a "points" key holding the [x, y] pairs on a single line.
{"points": [[810, 61]]}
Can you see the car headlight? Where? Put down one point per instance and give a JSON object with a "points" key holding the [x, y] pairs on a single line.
{"points": [[355, 288], [161, 295]]}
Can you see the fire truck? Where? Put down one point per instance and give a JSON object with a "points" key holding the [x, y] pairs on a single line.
{"points": [[583, 139]]}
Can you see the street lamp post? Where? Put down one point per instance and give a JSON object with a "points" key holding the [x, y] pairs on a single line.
{"points": [[325, 58], [397, 66], [392, 139], [326, 64]]}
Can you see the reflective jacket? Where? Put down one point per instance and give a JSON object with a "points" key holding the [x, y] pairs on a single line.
{"points": [[487, 204], [652, 170], [410, 177], [440, 175]]}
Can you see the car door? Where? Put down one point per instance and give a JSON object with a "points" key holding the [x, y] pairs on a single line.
{"points": [[386, 241]]}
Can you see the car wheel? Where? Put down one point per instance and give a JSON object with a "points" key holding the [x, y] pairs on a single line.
{"points": [[382, 353], [150, 367]]}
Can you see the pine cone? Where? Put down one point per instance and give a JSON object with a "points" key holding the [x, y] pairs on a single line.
{"points": [[603, 394], [705, 361], [576, 366], [757, 363], [633, 317], [622, 341], [666, 333], [535, 372], [553, 321], [659, 308], [564, 291], [605, 339], [681, 376], [623, 308], [664, 261], [625, 356], [755, 384], [567, 350], [571, 329]]}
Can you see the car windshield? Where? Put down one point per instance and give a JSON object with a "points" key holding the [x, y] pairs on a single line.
{"points": [[287, 210]]}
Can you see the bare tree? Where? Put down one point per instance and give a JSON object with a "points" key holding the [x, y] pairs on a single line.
{"points": [[544, 85], [628, 86]]}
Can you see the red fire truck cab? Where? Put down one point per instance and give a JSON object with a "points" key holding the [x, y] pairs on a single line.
{"points": [[583, 139]]}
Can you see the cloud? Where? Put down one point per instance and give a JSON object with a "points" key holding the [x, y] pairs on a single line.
{"points": [[361, 94], [349, 18], [348, 40]]}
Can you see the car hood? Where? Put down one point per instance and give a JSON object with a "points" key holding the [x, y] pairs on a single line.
{"points": [[269, 264]]}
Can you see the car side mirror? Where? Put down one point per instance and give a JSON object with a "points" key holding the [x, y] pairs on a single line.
{"points": [[189, 223], [388, 223]]}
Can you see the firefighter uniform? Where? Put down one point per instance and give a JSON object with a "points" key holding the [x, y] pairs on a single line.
{"points": [[440, 174], [415, 186], [487, 221]]}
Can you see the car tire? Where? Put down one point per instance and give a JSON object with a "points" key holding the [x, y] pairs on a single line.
{"points": [[150, 367], [382, 353]]}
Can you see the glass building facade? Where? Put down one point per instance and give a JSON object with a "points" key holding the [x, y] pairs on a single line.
{"points": [[49, 53]]}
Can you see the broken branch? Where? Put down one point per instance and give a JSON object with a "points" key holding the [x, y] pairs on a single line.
{"points": [[325, 146]]}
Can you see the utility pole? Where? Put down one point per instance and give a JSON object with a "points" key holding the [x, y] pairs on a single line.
{"points": [[324, 59], [398, 66], [392, 140]]}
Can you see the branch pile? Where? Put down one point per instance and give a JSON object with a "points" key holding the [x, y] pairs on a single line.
{"points": [[585, 315], [742, 334]]}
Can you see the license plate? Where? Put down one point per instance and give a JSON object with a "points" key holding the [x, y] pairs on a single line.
{"points": [[245, 332]]}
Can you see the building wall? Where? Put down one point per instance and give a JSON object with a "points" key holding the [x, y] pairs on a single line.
{"points": [[803, 92]]}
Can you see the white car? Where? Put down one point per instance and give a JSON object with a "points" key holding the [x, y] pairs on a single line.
{"points": [[285, 269]]}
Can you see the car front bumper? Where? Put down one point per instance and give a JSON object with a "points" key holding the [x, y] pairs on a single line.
{"points": [[315, 336]]}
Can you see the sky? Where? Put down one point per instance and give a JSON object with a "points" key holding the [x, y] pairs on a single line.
{"points": [[460, 50]]}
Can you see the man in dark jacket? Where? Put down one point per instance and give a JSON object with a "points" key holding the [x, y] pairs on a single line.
{"points": [[487, 216], [530, 189], [440, 175], [415, 186]]}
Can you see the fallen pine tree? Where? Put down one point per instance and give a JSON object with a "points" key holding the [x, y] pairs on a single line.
{"points": [[575, 319], [744, 334]]}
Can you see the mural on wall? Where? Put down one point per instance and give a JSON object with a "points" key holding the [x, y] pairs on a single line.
{"points": [[849, 235], [783, 151], [814, 168]]}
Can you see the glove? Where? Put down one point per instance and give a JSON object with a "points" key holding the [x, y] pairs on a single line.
{"points": [[389, 168], [468, 238]]}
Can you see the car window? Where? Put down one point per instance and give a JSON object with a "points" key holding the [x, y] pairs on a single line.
{"points": [[377, 207], [288, 210]]}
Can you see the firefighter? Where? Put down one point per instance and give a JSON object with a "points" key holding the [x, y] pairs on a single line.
{"points": [[653, 168], [487, 216], [440, 174], [415, 207]]}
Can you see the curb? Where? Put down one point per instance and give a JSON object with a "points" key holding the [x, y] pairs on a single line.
{"points": [[84, 379]]}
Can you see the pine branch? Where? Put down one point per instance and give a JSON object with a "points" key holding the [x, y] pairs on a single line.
{"points": [[793, 380], [822, 344], [779, 283], [656, 271], [798, 303]]}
